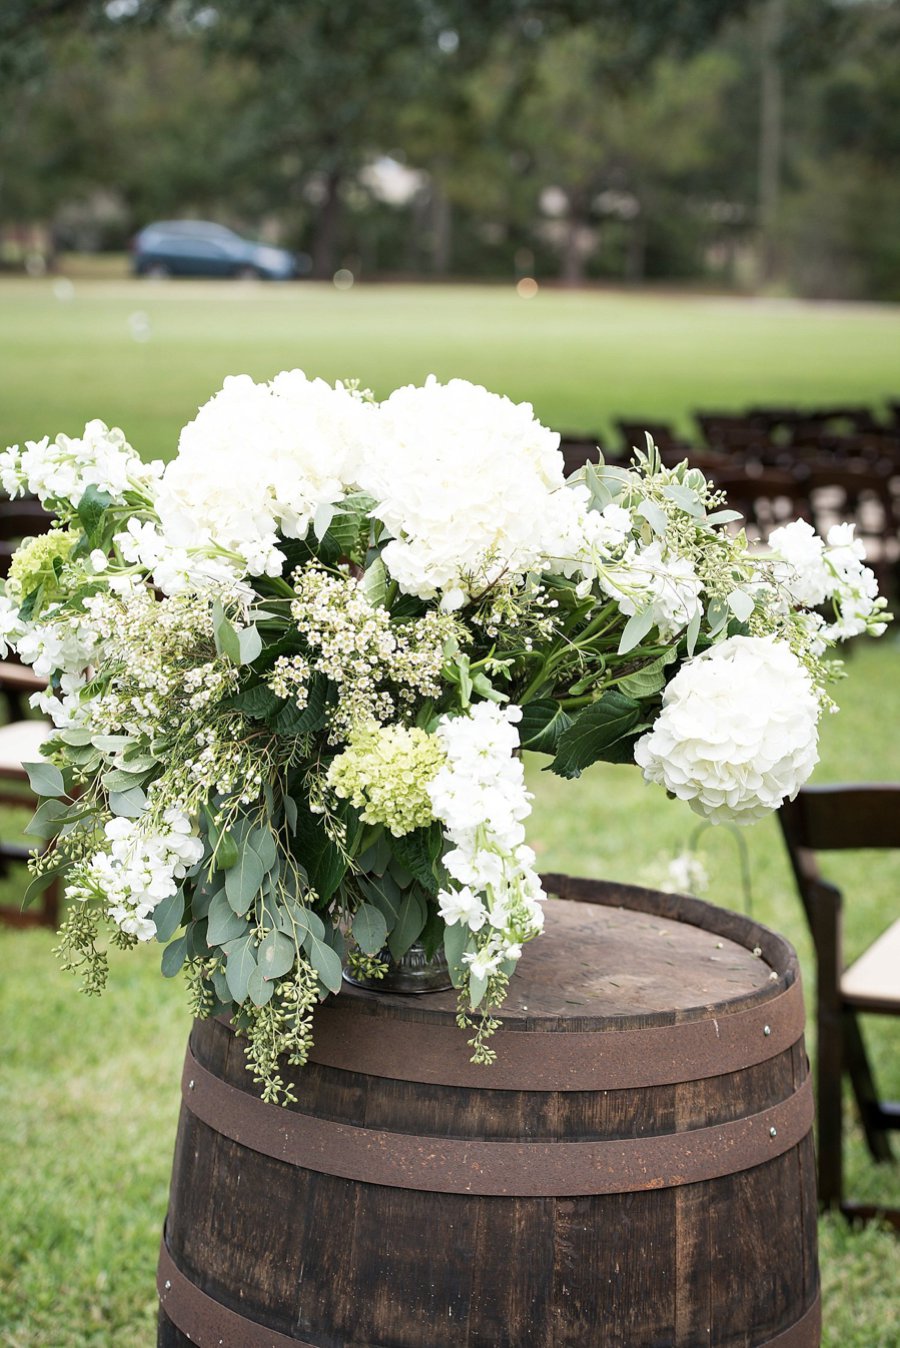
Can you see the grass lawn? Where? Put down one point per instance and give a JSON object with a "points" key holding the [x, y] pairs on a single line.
{"points": [[89, 1090], [144, 355]]}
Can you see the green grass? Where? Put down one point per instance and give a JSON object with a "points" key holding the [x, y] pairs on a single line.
{"points": [[89, 1089], [581, 358]]}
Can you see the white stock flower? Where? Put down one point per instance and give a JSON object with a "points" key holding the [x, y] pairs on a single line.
{"points": [[479, 796], [737, 733], [140, 869], [64, 468]]}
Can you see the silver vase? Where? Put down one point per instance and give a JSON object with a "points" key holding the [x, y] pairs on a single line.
{"points": [[414, 972]]}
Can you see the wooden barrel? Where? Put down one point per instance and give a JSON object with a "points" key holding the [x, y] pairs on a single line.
{"points": [[634, 1171]]}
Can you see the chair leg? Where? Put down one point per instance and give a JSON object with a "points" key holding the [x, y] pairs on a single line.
{"points": [[829, 1082], [860, 1073]]}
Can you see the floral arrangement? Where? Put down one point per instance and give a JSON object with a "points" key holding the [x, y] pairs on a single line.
{"points": [[290, 675]]}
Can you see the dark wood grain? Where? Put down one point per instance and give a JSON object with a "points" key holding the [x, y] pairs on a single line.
{"points": [[336, 1263]]}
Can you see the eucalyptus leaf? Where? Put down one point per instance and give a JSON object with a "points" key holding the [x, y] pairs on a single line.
{"points": [[45, 779], [249, 645], [240, 964], [685, 498], [259, 989], [173, 957], [224, 923], [276, 955], [290, 813], [243, 880], [741, 604], [477, 988], [456, 941], [40, 883], [634, 631], [117, 779], [325, 961], [408, 927], [128, 804], [693, 631], [167, 916], [47, 819], [262, 840], [369, 928], [654, 515]]}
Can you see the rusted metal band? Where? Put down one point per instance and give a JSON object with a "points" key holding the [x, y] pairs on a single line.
{"points": [[205, 1321], [570, 1060], [209, 1324], [803, 1333], [471, 1166]]}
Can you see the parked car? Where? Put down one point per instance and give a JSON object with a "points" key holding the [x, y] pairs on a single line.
{"points": [[198, 248]]}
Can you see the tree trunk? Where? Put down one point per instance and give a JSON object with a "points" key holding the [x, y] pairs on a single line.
{"points": [[327, 228], [770, 136]]}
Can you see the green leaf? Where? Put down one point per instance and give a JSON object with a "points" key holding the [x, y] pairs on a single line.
{"points": [[167, 916], [257, 703], [542, 723], [249, 645], [239, 965], [635, 630], [173, 957], [686, 499], [228, 642], [649, 680], [456, 941], [45, 779], [290, 719], [91, 510], [477, 989], [410, 921], [654, 515], [47, 819], [128, 804], [325, 863], [259, 989], [224, 923], [294, 918], [383, 892], [243, 880], [325, 961], [276, 955], [226, 850], [42, 882], [594, 731], [415, 852], [693, 631], [262, 840], [118, 780], [197, 934], [375, 583], [369, 929], [290, 813]]}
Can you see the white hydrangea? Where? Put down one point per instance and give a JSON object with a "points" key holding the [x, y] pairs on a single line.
{"points": [[62, 470], [140, 869], [737, 733], [468, 483], [479, 796], [301, 439]]}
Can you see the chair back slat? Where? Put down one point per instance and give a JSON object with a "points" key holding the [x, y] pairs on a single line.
{"points": [[836, 818]]}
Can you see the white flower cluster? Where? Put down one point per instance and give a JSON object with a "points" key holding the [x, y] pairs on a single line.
{"points": [[658, 583], [139, 870], [817, 571], [301, 437], [480, 798], [737, 733], [175, 569], [62, 470], [471, 487]]}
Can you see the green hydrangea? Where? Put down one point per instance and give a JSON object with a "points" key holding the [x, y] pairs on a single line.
{"points": [[36, 563], [385, 774]]}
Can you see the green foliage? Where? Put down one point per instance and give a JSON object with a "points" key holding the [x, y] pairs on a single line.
{"points": [[601, 730]]}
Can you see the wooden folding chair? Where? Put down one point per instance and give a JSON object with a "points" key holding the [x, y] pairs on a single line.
{"points": [[827, 819]]}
